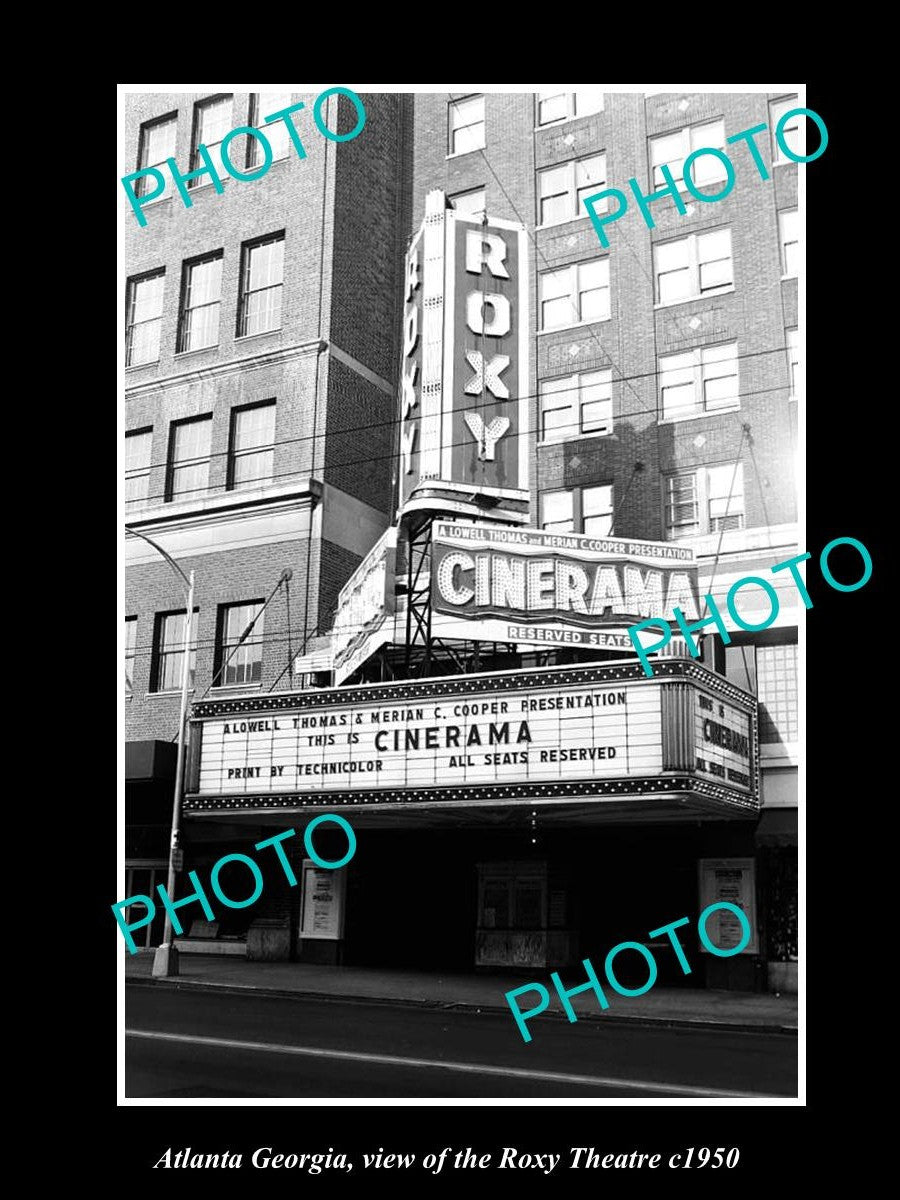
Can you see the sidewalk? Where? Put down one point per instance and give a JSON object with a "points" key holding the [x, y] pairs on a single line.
{"points": [[667, 1006]]}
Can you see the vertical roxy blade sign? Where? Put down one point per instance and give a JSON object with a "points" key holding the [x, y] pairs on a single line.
{"points": [[411, 371], [487, 376]]}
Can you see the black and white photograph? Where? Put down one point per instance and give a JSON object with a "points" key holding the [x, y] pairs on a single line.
{"points": [[465, 583]]}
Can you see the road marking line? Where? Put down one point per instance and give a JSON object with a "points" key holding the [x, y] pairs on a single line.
{"points": [[464, 1068]]}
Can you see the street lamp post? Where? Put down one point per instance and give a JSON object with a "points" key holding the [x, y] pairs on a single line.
{"points": [[165, 961]]}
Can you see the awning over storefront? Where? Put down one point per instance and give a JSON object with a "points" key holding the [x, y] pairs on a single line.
{"points": [[150, 761], [777, 827]]}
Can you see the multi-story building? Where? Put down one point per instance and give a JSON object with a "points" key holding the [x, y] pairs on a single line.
{"points": [[656, 384], [667, 383], [261, 335]]}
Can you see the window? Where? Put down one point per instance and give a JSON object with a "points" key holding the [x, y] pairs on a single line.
{"points": [[157, 144], [262, 105], [587, 510], [252, 457], [466, 124], [597, 510], [239, 647], [789, 226], [168, 655], [562, 189], [725, 497], [557, 512], [671, 149], [576, 405], [143, 318], [707, 500], [682, 505], [469, 204], [699, 381], [793, 133], [694, 266], [212, 120], [189, 457], [562, 106], [776, 670], [130, 637], [201, 294], [143, 881], [793, 348], [137, 465], [575, 294], [262, 281]]}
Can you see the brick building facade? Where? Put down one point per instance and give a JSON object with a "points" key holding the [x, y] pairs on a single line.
{"points": [[262, 329], [716, 469], [665, 384]]}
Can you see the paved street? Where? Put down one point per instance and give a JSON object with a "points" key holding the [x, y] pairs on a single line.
{"points": [[183, 1044]]}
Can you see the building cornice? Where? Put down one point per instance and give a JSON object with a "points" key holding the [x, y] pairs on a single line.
{"points": [[221, 370], [303, 492]]}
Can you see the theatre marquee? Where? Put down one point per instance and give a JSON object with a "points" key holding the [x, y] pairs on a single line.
{"points": [[572, 733]]}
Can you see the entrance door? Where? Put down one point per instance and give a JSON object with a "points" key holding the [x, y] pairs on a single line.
{"points": [[141, 878], [512, 915]]}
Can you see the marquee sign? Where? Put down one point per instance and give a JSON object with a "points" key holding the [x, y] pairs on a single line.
{"points": [[464, 382], [723, 742], [364, 619], [565, 732], [531, 585]]}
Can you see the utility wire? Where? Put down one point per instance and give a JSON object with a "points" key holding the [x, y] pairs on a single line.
{"points": [[393, 421], [296, 473]]}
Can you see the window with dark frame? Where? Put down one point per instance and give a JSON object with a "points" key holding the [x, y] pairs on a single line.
{"points": [[189, 452], [564, 106], [212, 121], [251, 458], [789, 230], [671, 149], [143, 318], [201, 297], [262, 105], [168, 651], [130, 643], [793, 133], [706, 500], [466, 124], [469, 204], [575, 295], [585, 510], [576, 406], [793, 349], [262, 284], [239, 652], [691, 267], [703, 380], [138, 447], [562, 189], [156, 145]]}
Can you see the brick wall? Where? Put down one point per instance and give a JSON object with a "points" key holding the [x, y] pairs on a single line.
{"points": [[756, 314], [238, 577]]}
